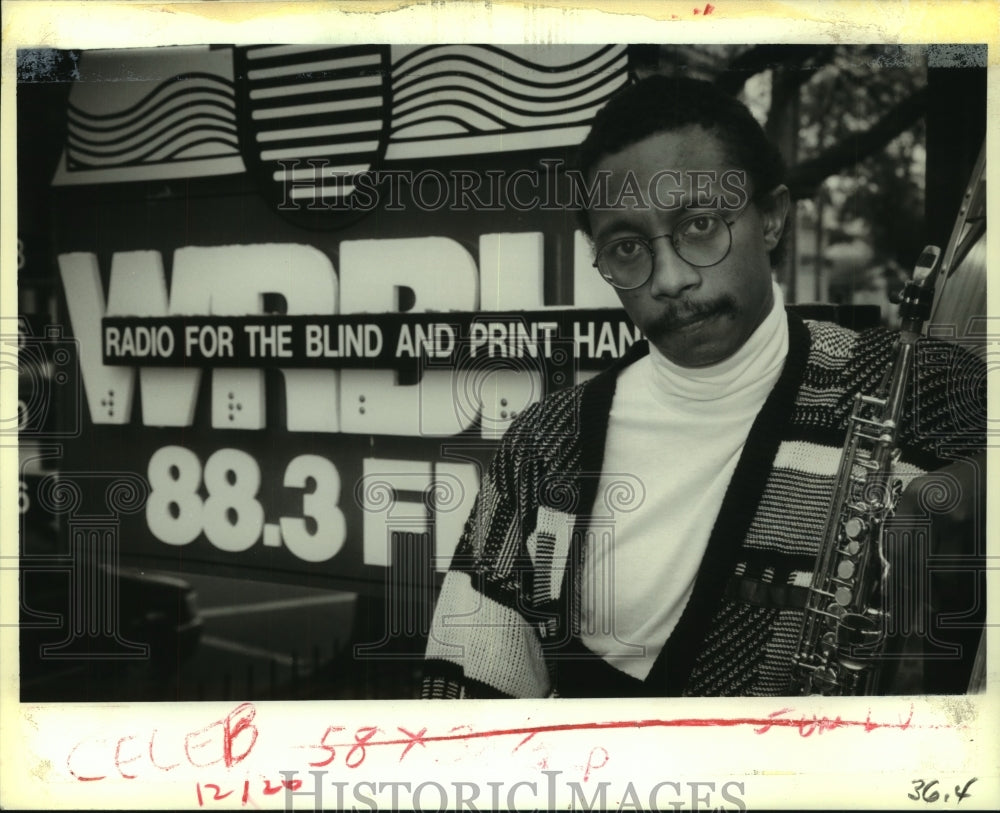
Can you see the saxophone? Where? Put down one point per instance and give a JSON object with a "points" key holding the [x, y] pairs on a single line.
{"points": [[842, 638]]}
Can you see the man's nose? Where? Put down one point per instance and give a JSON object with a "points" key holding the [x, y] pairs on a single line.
{"points": [[671, 275]]}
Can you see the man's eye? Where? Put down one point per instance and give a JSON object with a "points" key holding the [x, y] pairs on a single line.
{"points": [[626, 250], [700, 227]]}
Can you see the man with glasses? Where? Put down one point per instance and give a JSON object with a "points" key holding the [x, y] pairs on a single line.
{"points": [[652, 531]]}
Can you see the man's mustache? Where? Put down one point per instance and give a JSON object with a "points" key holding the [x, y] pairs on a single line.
{"points": [[683, 315]]}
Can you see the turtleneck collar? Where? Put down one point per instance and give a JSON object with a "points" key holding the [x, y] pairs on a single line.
{"points": [[756, 364]]}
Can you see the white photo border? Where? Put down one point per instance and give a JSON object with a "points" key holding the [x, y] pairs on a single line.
{"points": [[818, 753]]}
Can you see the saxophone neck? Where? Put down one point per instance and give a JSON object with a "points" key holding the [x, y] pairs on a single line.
{"points": [[918, 295]]}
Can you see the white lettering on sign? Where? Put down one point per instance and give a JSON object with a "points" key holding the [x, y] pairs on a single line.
{"points": [[406, 496], [440, 275], [269, 341], [343, 341], [396, 496], [240, 276], [209, 341], [433, 341], [320, 502], [174, 509], [512, 272], [381, 487], [511, 339], [377, 276], [219, 280], [231, 517], [139, 342], [604, 341]]}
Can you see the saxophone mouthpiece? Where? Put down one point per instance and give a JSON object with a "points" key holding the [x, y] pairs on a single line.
{"points": [[918, 294], [927, 265]]}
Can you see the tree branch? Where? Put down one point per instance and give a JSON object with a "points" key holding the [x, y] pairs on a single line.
{"points": [[805, 176]]}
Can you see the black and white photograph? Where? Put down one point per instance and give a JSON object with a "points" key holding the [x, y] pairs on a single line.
{"points": [[643, 380]]}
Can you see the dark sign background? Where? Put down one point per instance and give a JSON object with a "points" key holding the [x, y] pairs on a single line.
{"points": [[164, 218]]}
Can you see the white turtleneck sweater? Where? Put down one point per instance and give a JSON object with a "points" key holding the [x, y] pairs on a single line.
{"points": [[675, 435]]}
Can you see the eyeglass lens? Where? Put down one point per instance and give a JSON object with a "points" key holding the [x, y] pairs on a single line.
{"points": [[702, 240]]}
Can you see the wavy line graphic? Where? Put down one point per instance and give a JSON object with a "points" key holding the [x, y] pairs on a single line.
{"points": [[156, 118], [194, 125], [159, 148], [160, 124], [432, 80], [180, 84], [505, 61], [186, 151], [443, 123], [477, 118], [458, 95], [435, 93], [190, 115], [537, 85]]}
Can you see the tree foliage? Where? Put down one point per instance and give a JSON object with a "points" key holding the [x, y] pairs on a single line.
{"points": [[849, 120]]}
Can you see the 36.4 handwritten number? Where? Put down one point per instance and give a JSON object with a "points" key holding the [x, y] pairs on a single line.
{"points": [[924, 791]]}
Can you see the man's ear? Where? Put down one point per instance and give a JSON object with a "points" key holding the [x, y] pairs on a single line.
{"points": [[773, 212]]}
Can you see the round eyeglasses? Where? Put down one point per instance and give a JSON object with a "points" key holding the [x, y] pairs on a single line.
{"points": [[701, 240]]}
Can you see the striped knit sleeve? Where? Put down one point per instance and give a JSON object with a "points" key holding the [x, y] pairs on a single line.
{"points": [[480, 644], [944, 415]]}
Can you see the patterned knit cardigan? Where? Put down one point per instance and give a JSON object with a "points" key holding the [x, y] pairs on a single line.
{"points": [[510, 601]]}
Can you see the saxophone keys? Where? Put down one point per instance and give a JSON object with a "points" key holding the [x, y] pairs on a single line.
{"points": [[845, 569], [826, 680], [854, 527], [834, 612], [843, 596]]}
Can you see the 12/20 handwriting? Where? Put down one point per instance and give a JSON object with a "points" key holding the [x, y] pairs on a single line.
{"points": [[924, 791], [212, 792]]}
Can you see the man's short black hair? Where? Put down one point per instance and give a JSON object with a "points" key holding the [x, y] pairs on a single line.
{"points": [[660, 104]]}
